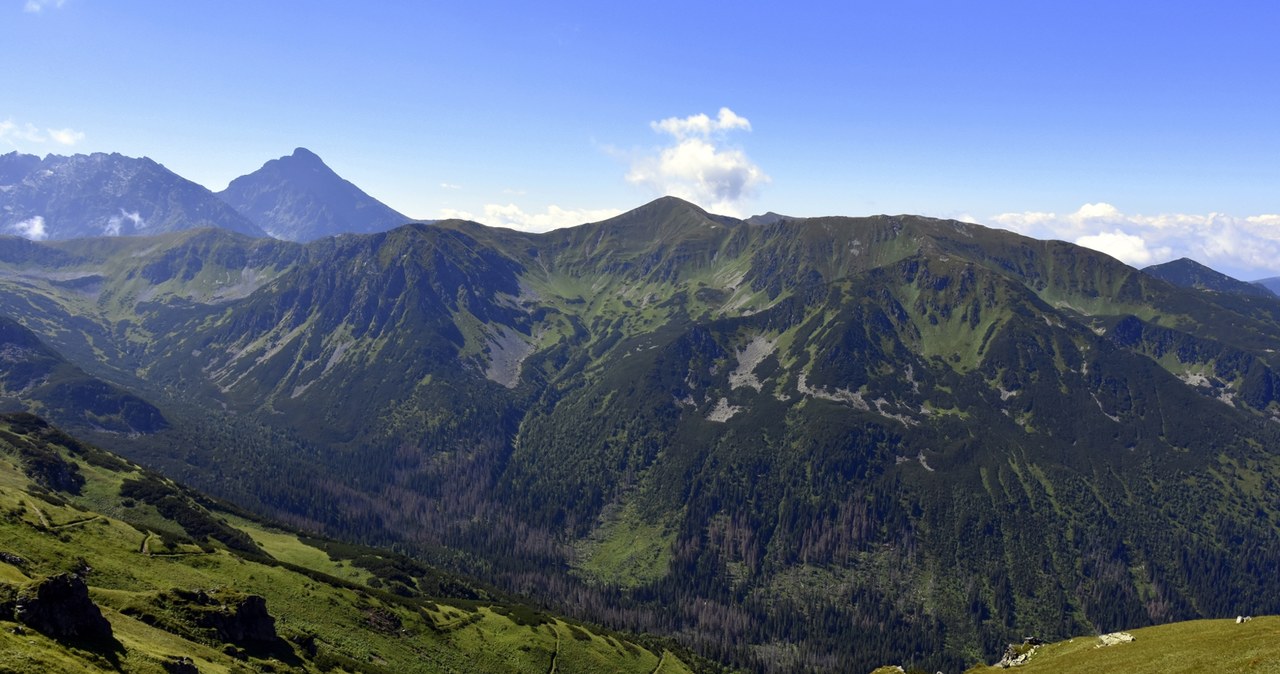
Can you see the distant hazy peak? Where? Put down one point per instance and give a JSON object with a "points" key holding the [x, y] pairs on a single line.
{"points": [[299, 198], [1188, 273]]}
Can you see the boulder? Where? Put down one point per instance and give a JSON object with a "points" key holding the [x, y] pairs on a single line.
{"points": [[1114, 638], [178, 664], [235, 618], [60, 607]]}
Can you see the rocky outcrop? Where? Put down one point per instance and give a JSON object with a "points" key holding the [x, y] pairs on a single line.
{"points": [[234, 618], [180, 664], [60, 607], [1114, 638], [1019, 654]]}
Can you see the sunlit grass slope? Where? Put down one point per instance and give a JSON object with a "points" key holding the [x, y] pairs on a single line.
{"points": [[164, 550]]}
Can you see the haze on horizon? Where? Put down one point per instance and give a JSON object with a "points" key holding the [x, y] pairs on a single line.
{"points": [[1144, 130]]}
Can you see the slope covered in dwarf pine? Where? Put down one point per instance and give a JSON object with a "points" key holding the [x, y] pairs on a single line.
{"points": [[34, 375], [107, 567], [821, 443]]}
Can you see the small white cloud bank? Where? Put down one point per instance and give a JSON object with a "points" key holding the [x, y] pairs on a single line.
{"points": [[698, 166], [67, 137], [26, 133], [32, 228], [1247, 248], [37, 6], [701, 125], [112, 228], [512, 216]]}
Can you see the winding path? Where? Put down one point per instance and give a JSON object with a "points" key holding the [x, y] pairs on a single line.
{"points": [[661, 661], [555, 657]]}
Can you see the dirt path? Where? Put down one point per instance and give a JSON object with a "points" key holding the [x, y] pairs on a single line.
{"points": [[661, 661], [44, 521], [555, 657], [73, 523]]}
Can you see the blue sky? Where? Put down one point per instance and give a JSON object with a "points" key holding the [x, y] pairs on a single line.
{"points": [[1150, 130]]}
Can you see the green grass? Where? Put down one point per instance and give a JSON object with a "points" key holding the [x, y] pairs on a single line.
{"points": [[626, 550], [352, 627], [1209, 646]]}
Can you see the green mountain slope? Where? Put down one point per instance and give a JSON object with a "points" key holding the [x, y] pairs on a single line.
{"points": [[820, 443], [186, 585], [1191, 274], [1189, 647], [33, 375]]}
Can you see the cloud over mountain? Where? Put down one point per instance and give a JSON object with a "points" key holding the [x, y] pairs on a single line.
{"points": [[515, 217], [13, 133], [1244, 246], [698, 165]]}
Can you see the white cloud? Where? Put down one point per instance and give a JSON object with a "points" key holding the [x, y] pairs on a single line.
{"points": [[36, 6], [1245, 247], [31, 228], [112, 227], [696, 167], [701, 125], [66, 136], [14, 134], [514, 217], [450, 186], [1127, 248]]}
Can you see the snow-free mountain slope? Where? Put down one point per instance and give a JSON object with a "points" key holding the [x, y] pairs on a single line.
{"points": [[298, 198]]}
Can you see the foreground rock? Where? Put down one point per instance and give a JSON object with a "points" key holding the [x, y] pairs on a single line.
{"points": [[1114, 638], [59, 606]]}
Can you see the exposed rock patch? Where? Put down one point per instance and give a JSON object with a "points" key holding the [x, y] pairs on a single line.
{"points": [[1019, 654], [60, 607], [749, 358], [839, 395], [723, 411], [507, 351], [1114, 638], [240, 620]]}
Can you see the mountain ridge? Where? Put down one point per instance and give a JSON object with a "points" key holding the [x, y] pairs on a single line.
{"points": [[63, 197], [683, 423]]}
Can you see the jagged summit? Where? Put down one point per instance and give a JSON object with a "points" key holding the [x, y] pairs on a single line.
{"points": [[299, 198], [77, 196]]}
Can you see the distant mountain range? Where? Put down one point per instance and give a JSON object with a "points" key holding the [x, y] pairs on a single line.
{"points": [[1272, 284], [105, 195], [816, 444], [295, 198]]}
